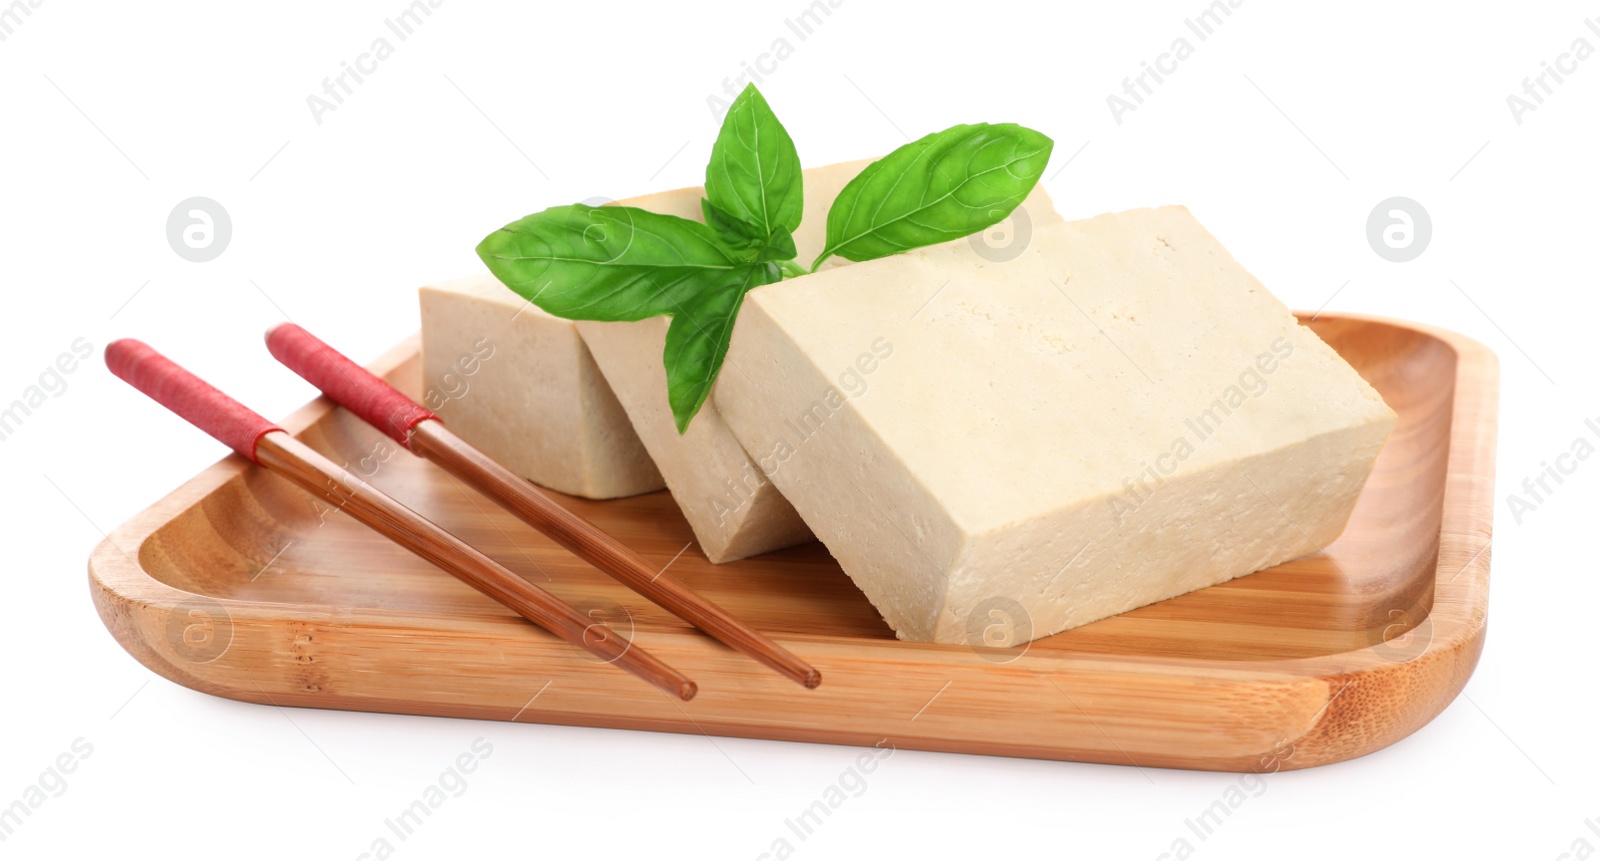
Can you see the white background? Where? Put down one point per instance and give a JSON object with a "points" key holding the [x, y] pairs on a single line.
{"points": [[1281, 133]]}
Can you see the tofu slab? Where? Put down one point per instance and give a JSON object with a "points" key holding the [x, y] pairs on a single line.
{"points": [[997, 451], [732, 508], [520, 385]]}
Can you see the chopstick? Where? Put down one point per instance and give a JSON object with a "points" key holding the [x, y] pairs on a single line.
{"points": [[422, 433], [271, 447]]}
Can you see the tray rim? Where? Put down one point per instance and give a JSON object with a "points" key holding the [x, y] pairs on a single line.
{"points": [[132, 603]]}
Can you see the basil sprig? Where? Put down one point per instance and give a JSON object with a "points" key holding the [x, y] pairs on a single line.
{"points": [[622, 263]]}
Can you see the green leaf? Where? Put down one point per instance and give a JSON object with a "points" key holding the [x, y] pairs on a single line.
{"points": [[754, 172], [607, 263], [745, 239], [698, 338], [779, 247], [733, 231], [945, 186]]}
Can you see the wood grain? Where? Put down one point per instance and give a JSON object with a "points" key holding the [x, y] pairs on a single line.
{"points": [[531, 505], [315, 474], [239, 585]]}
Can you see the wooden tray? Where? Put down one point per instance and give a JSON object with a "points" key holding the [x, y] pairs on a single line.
{"points": [[239, 585]]}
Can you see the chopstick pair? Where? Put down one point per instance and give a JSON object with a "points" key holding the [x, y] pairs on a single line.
{"points": [[419, 431]]}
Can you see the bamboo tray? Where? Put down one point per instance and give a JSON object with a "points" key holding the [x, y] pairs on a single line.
{"points": [[239, 585]]}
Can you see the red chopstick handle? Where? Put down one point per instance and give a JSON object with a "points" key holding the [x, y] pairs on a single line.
{"points": [[194, 399], [347, 383]]}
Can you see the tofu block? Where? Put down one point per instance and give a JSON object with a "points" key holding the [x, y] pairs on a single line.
{"points": [[520, 385], [995, 452], [734, 511]]}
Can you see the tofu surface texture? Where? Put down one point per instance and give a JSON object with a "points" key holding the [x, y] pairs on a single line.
{"points": [[997, 450], [520, 385], [734, 511]]}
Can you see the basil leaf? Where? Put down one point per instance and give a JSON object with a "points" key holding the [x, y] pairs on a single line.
{"points": [[733, 231], [699, 335], [606, 263], [944, 186], [746, 239], [754, 172], [779, 247]]}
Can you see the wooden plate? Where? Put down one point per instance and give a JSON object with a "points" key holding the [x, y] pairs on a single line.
{"points": [[239, 585]]}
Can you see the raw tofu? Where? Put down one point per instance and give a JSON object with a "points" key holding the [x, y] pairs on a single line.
{"points": [[734, 511], [520, 385], [998, 451]]}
